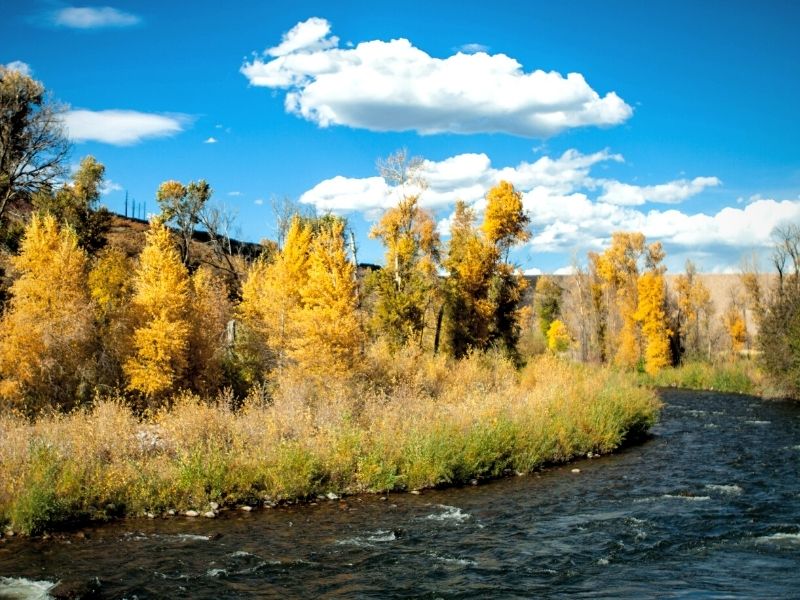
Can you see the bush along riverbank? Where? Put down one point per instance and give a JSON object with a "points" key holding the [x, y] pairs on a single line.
{"points": [[417, 422], [735, 376]]}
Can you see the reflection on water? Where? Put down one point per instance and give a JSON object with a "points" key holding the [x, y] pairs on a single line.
{"points": [[697, 511]]}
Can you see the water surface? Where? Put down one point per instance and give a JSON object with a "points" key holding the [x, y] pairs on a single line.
{"points": [[709, 507]]}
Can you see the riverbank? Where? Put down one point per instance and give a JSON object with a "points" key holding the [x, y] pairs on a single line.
{"points": [[734, 376], [416, 422]]}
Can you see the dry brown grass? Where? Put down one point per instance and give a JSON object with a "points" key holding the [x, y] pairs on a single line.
{"points": [[412, 422]]}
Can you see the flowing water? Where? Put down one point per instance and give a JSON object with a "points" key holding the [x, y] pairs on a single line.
{"points": [[709, 507]]}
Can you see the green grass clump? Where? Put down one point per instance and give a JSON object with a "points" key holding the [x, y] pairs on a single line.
{"points": [[416, 422], [736, 376]]}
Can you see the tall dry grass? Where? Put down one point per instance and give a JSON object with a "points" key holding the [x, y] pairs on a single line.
{"points": [[407, 422]]}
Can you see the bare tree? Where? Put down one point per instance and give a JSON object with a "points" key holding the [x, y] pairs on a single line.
{"points": [[786, 254], [33, 142]]}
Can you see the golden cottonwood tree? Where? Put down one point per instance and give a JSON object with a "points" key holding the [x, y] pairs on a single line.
{"points": [[160, 305], [736, 328], [557, 336], [407, 285], [505, 223], [271, 293], [76, 204], [208, 316], [111, 287], [652, 314], [618, 270], [484, 291], [469, 264], [329, 337], [618, 267], [47, 331]]}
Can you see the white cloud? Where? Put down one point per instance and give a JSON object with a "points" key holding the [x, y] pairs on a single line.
{"points": [[234, 193], [673, 192], [532, 271], [211, 140], [20, 67], [568, 270], [258, 201], [307, 36], [570, 210], [109, 186], [394, 86], [472, 48], [84, 17], [121, 127]]}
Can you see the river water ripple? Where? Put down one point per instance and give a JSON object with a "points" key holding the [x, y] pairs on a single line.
{"points": [[709, 507]]}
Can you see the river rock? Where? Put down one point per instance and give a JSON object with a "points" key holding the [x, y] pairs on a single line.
{"points": [[191, 513], [415, 492], [171, 512], [576, 470], [246, 508], [209, 514], [331, 496], [473, 482], [65, 590], [213, 505]]}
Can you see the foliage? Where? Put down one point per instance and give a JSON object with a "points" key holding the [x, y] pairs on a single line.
{"points": [[618, 271], [469, 264], [557, 337], [33, 143], [161, 302], [329, 335], [76, 205], [429, 424], [505, 223], [407, 285], [736, 328], [736, 376], [209, 314], [47, 330], [695, 309], [779, 336], [111, 288], [182, 206], [652, 315], [271, 295], [547, 302], [483, 292]]}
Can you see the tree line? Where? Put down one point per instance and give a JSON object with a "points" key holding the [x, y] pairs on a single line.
{"points": [[82, 317]]}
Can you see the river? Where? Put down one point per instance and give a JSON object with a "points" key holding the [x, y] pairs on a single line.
{"points": [[708, 507]]}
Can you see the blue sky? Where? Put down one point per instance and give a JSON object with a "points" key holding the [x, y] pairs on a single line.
{"points": [[680, 118]]}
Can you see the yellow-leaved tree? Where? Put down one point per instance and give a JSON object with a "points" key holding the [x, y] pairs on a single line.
{"points": [[651, 312], [160, 305], [329, 337], [111, 287], [407, 285], [557, 336], [46, 332], [505, 223], [736, 328], [618, 267], [209, 314], [469, 263], [271, 294], [618, 270]]}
